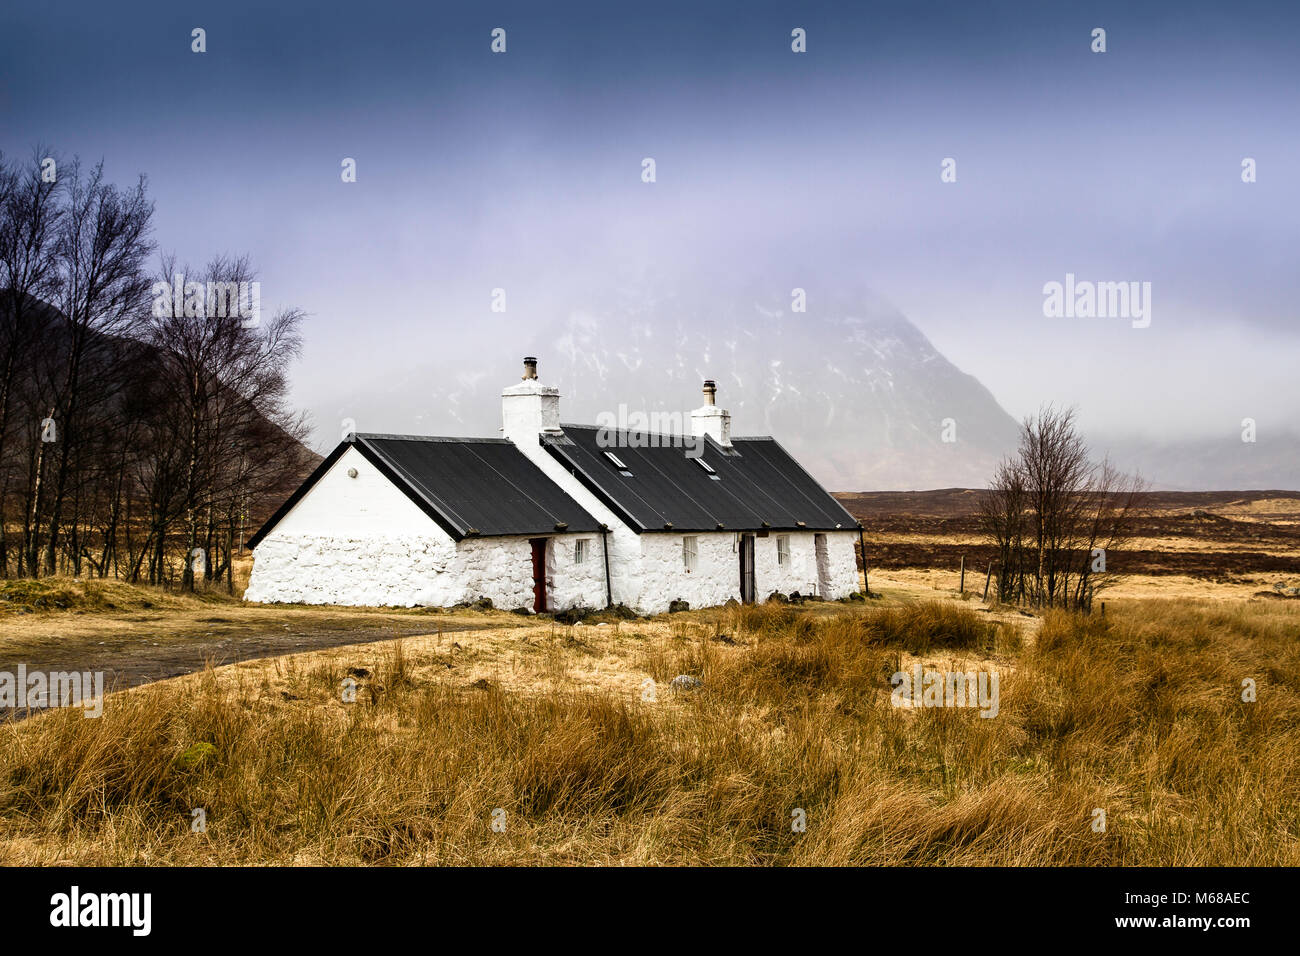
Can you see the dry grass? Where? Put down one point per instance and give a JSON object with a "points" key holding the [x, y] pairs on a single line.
{"points": [[19, 596], [1139, 714]]}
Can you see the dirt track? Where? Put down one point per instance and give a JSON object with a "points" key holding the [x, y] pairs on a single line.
{"points": [[128, 661]]}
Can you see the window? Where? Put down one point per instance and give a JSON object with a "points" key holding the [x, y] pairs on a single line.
{"points": [[708, 469], [581, 549], [618, 463], [690, 553], [782, 550]]}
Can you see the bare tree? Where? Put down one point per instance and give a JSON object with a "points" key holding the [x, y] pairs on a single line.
{"points": [[1002, 516], [102, 290], [1052, 515], [227, 376], [29, 218], [1115, 503]]}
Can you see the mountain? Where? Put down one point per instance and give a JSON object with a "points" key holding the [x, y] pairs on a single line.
{"points": [[851, 387]]}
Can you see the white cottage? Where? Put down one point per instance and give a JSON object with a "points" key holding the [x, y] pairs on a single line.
{"points": [[552, 516]]}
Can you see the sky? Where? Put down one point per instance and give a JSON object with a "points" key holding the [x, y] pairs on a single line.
{"points": [[522, 170]]}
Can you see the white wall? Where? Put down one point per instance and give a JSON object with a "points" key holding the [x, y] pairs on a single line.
{"points": [[368, 504], [664, 578], [407, 571], [841, 546], [716, 578], [569, 584], [800, 574]]}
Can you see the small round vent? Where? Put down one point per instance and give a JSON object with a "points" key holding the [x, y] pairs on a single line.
{"points": [[352, 472]]}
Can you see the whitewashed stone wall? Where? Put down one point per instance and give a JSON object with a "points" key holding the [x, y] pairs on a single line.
{"points": [[800, 574], [716, 579], [664, 577], [409, 571], [432, 570], [570, 584], [842, 550]]}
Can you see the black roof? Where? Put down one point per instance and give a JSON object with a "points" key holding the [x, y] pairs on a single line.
{"points": [[469, 486], [758, 485]]}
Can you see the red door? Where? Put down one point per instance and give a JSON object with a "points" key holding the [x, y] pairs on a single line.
{"points": [[539, 573]]}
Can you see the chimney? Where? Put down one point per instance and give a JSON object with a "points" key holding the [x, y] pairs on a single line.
{"points": [[530, 408], [710, 420]]}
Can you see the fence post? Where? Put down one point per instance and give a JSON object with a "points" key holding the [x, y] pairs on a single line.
{"points": [[987, 578], [961, 588]]}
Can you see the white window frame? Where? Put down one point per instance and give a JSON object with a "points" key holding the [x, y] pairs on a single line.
{"points": [[783, 550], [581, 550], [690, 553]]}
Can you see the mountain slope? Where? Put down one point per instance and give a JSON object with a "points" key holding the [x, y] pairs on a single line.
{"points": [[852, 388]]}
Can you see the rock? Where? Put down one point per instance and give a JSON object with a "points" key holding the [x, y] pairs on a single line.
{"points": [[857, 596], [358, 672], [776, 597], [684, 682], [678, 605]]}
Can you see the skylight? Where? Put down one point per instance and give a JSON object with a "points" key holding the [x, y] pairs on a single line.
{"points": [[618, 463], [707, 468]]}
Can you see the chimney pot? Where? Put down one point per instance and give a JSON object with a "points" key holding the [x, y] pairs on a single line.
{"points": [[710, 391], [530, 367]]}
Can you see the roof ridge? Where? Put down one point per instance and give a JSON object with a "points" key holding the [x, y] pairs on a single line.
{"points": [[447, 438], [647, 431], [638, 431]]}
